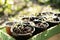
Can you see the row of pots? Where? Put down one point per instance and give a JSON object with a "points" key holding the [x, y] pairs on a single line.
{"points": [[54, 17], [25, 29], [30, 26]]}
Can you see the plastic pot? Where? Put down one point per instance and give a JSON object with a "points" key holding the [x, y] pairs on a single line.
{"points": [[55, 20], [40, 27], [53, 23], [8, 26], [19, 33]]}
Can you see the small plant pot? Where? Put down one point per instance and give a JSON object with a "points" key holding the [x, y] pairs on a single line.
{"points": [[40, 27], [54, 22], [51, 24], [22, 32], [38, 23], [8, 26]]}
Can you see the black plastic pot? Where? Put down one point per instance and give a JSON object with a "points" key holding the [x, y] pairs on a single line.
{"points": [[40, 28], [56, 20], [21, 35], [51, 24]]}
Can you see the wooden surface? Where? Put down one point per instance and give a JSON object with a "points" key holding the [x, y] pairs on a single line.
{"points": [[55, 37]]}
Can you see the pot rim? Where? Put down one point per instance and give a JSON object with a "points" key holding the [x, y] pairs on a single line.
{"points": [[13, 33], [47, 24], [54, 21], [13, 22]]}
